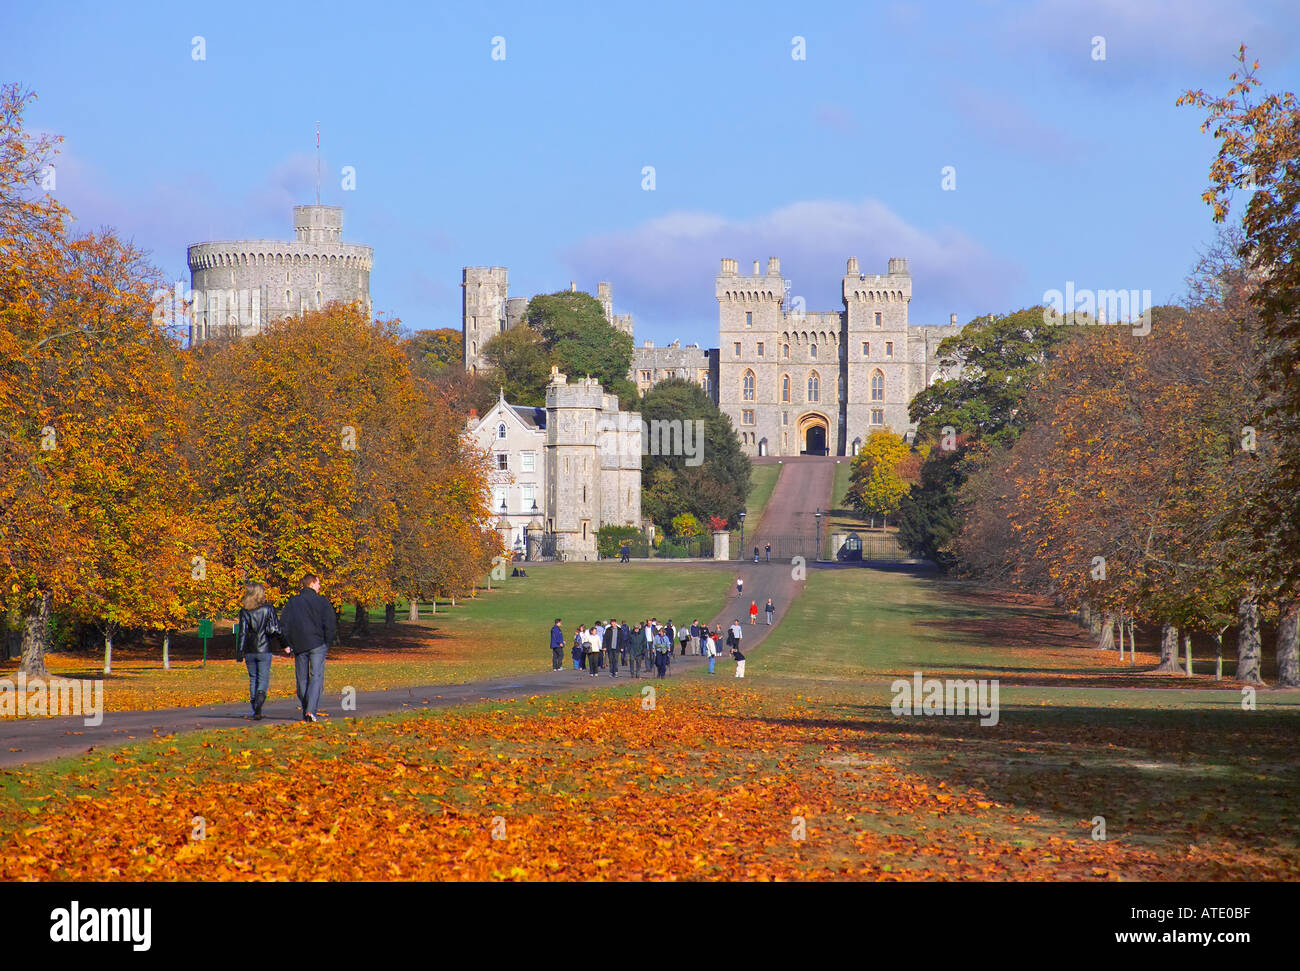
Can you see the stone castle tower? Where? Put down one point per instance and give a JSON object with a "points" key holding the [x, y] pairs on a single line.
{"points": [[593, 464], [240, 286], [487, 309]]}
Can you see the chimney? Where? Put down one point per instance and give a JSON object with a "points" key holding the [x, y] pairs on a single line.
{"points": [[952, 319], [756, 268], [853, 266], [573, 287], [773, 266]]}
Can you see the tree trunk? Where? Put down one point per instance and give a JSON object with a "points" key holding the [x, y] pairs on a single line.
{"points": [[1187, 651], [1107, 641], [1094, 623], [413, 613], [1218, 656], [361, 620], [1288, 645], [36, 632], [167, 650], [1168, 648], [108, 650], [1248, 648], [390, 615]]}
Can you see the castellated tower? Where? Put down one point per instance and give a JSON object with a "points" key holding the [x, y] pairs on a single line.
{"points": [[593, 465], [239, 286], [750, 324], [484, 310], [882, 374]]}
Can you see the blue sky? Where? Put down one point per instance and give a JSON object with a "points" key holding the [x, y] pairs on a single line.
{"points": [[1067, 168]]}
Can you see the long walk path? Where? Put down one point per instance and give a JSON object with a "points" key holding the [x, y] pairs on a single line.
{"points": [[802, 486]]}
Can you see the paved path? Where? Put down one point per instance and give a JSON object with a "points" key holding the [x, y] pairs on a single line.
{"points": [[801, 488]]}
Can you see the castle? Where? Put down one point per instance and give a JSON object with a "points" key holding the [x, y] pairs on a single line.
{"points": [[240, 286], [580, 456], [793, 382]]}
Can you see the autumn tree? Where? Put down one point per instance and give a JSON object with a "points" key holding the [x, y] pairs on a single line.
{"points": [[881, 474]]}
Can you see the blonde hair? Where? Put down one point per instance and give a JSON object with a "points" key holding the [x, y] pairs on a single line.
{"points": [[254, 596]]}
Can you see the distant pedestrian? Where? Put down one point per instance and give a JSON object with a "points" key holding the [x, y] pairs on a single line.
{"points": [[579, 647], [663, 653], [636, 651], [696, 647], [258, 624], [557, 646], [624, 553], [767, 549], [755, 554], [683, 638], [611, 647], [710, 650], [740, 586], [753, 611], [740, 661], [593, 652], [309, 625], [769, 609]]}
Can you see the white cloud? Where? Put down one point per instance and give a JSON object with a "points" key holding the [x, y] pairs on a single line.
{"points": [[663, 270]]}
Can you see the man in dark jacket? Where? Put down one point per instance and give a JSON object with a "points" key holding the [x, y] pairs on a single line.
{"points": [[557, 646], [307, 623], [611, 646]]}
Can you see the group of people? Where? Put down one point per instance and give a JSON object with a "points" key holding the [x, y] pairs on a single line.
{"points": [[305, 628], [606, 644], [769, 608]]}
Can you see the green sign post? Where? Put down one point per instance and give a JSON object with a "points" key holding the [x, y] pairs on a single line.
{"points": [[205, 631]]}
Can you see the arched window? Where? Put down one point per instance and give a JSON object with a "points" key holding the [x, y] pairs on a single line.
{"points": [[877, 386], [501, 430], [812, 350], [814, 387], [747, 389], [785, 351], [785, 387]]}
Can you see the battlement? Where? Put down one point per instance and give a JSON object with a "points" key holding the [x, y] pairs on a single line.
{"points": [[731, 285], [318, 224]]}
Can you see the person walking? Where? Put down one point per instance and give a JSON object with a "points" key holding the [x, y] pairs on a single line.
{"points": [[593, 652], [735, 635], [636, 651], [755, 554], [696, 646], [710, 649], [309, 625], [611, 647], [663, 653], [624, 553], [753, 612], [557, 646], [767, 550], [740, 586], [624, 641], [579, 647], [683, 638], [258, 623], [769, 609]]}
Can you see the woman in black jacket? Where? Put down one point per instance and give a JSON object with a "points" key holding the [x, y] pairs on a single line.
{"points": [[258, 623]]}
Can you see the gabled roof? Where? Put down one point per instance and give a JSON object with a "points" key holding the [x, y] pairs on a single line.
{"points": [[532, 417]]}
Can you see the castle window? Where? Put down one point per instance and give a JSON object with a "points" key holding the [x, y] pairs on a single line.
{"points": [[528, 496], [503, 462], [501, 430], [814, 387], [812, 350], [866, 348], [877, 416], [785, 352], [878, 318], [737, 348], [760, 348], [749, 318], [877, 386], [747, 386], [785, 418], [747, 416], [785, 388], [645, 376], [528, 462], [889, 348]]}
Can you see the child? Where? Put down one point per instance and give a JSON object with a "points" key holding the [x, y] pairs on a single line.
{"points": [[753, 612], [740, 661]]}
